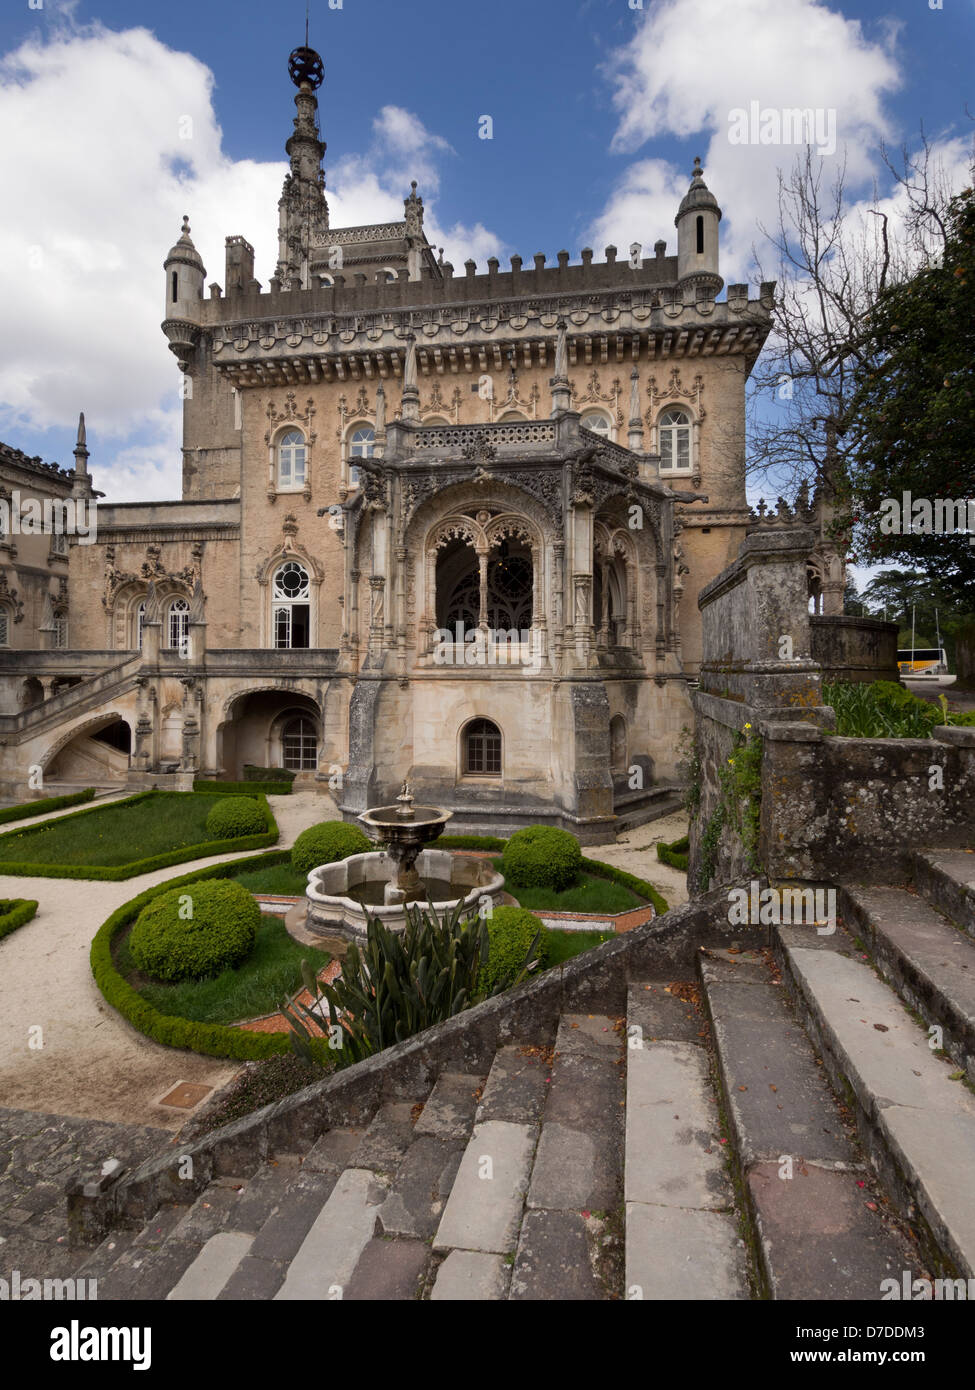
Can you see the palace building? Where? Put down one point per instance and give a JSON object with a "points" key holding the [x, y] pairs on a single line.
{"points": [[440, 524]]}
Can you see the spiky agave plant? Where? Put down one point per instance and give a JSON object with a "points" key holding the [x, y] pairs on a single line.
{"points": [[397, 984]]}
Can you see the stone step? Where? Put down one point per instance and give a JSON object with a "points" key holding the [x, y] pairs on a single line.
{"points": [[804, 1181], [946, 877], [682, 1239], [576, 1181], [324, 1264], [484, 1209], [924, 956], [917, 1125]]}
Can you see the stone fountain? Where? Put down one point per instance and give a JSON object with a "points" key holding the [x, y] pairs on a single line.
{"points": [[343, 896]]}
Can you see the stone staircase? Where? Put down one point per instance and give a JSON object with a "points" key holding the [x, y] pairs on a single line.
{"points": [[730, 1124]]}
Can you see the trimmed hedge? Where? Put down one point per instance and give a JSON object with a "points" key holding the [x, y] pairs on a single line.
{"points": [[118, 872], [169, 946], [486, 842], [267, 774], [211, 1039], [14, 912], [234, 816], [542, 856], [49, 803], [511, 931], [327, 842], [675, 854], [242, 788], [636, 885]]}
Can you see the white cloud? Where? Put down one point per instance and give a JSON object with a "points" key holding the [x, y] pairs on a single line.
{"points": [[692, 63], [109, 138]]}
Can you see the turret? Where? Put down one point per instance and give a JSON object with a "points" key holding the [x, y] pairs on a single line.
{"points": [[185, 278], [697, 240]]}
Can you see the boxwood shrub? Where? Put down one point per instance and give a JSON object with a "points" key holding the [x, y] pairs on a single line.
{"points": [[511, 931], [14, 912], [674, 854], [542, 856], [324, 843], [211, 1039], [190, 934], [234, 816], [48, 803]]}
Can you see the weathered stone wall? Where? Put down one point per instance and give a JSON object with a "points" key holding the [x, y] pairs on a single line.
{"points": [[855, 649], [833, 806]]}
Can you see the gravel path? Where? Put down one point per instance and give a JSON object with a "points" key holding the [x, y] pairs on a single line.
{"points": [[636, 853], [92, 1063]]}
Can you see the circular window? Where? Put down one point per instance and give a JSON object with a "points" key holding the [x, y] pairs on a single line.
{"points": [[291, 581]]}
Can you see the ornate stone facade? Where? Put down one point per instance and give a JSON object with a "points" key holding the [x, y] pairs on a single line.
{"points": [[417, 508]]}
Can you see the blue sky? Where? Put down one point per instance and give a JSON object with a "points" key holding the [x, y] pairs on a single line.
{"points": [[598, 111]]}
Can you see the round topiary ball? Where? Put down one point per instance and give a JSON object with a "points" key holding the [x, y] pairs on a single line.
{"points": [[323, 844], [195, 931], [233, 816], [511, 931], [542, 856]]}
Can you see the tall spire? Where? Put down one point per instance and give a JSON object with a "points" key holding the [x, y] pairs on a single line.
{"points": [[635, 433], [410, 404], [303, 211], [559, 382], [81, 483]]}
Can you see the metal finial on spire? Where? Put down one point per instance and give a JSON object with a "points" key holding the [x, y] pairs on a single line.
{"points": [[307, 9], [698, 172], [186, 224]]}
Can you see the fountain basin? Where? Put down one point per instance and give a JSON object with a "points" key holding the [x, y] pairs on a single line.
{"points": [[343, 896]]}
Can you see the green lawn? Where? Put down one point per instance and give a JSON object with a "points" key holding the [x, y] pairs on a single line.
{"points": [[563, 945], [271, 971], [278, 879], [114, 835], [589, 893]]}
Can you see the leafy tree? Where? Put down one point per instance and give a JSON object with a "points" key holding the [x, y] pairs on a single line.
{"points": [[911, 423]]}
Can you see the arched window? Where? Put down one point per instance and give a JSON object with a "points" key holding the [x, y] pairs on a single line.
{"points": [[675, 442], [362, 445], [300, 745], [326, 281], [4, 626], [291, 606], [59, 543], [595, 421], [140, 624], [390, 274], [511, 415], [292, 460], [482, 749], [60, 628], [179, 625]]}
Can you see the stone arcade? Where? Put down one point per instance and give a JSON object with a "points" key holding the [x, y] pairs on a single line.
{"points": [[450, 528]]}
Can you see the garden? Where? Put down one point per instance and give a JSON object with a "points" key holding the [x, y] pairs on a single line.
{"points": [[151, 830], [189, 962]]}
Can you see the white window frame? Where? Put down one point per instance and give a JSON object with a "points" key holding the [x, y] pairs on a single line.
{"points": [[363, 449], [282, 604], [178, 625], [291, 476], [671, 431]]}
